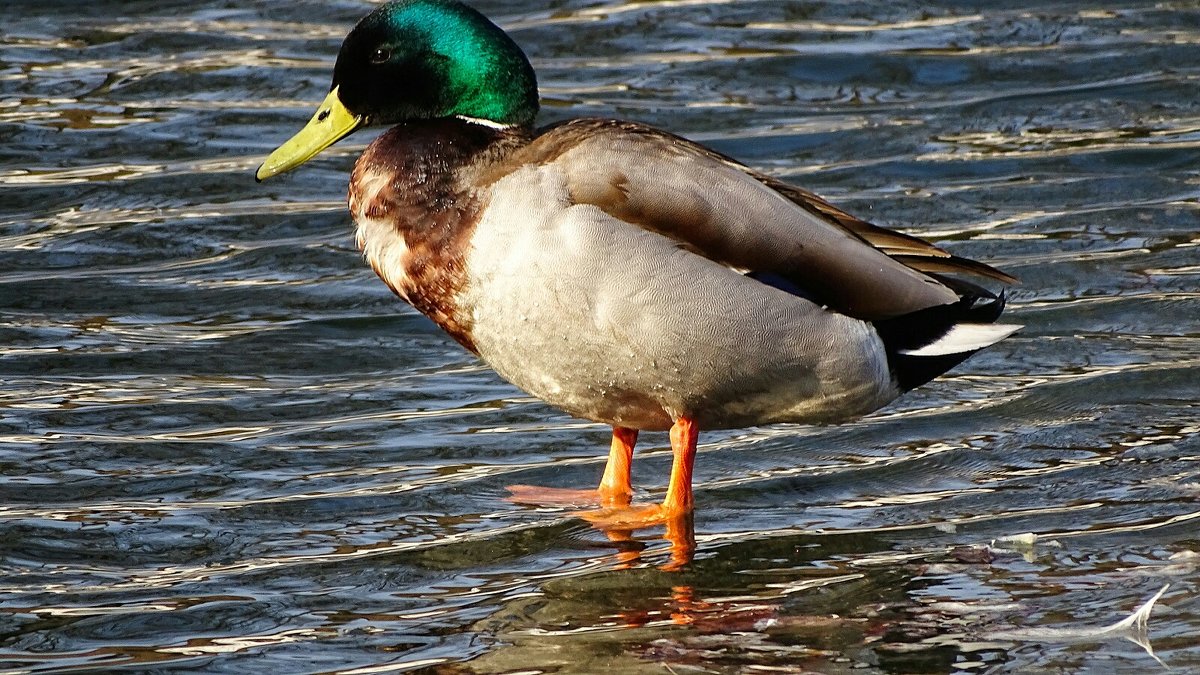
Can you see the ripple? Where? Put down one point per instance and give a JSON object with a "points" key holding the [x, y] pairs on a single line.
{"points": [[223, 442]]}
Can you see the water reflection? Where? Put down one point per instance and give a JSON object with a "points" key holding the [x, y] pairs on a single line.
{"points": [[694, 618], [794, 611], [680, 534]]}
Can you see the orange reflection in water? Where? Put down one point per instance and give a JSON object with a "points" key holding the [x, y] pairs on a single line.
{"points": [[680, 534]]}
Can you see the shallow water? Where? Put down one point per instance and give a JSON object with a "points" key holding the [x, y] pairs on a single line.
{"points": [[226, 447]]}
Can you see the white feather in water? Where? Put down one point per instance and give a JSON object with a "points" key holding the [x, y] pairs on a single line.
{"points": [[1134, 628]]}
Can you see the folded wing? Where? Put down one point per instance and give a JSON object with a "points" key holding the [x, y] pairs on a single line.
{"points": [[729, 213]]}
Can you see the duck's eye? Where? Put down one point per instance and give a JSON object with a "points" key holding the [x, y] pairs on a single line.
{"points": [[381, 55]]}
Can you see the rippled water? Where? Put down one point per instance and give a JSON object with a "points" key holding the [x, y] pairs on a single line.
{"points": [[224, 446]]}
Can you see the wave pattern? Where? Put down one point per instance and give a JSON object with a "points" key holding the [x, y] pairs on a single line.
{"points": [[225, 447]]}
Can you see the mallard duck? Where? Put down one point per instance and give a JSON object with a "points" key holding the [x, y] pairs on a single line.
{"points": [[619, 272]]}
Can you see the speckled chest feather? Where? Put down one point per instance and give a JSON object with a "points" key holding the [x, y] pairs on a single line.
{"points": [[414, 198]]}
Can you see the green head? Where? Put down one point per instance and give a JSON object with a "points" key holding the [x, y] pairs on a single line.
{"points": [[417, 59]]}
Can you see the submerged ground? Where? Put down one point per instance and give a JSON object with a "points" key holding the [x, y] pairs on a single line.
{"points": [[224, 446]]}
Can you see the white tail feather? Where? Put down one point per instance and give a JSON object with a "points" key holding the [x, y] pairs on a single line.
{"points": [[965, 337]]}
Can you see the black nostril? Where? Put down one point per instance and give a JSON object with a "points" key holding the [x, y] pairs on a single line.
{"points": [[322, 115]]}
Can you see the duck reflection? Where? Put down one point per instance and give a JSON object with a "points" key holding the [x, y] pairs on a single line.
{"points": [[789, 602], [680, 533]]}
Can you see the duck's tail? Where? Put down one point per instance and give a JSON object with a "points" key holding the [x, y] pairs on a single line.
{"points": [[924, 344]]}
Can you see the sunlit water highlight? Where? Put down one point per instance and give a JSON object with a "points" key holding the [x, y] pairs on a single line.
{"points": [[225, 447]]}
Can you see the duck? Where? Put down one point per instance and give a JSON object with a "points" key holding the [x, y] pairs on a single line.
{"points": [[620, 272]]}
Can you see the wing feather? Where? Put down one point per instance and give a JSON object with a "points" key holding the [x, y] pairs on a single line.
{"points": [[729, 213]]}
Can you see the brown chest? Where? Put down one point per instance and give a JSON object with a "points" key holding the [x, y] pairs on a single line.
{"points": [[418, 250], [416, 195]]}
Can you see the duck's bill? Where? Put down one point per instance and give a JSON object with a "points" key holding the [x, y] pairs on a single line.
{"points": [[331, 123]]}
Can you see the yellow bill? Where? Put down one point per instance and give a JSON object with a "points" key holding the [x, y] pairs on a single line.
{"points": [[331, 123]]}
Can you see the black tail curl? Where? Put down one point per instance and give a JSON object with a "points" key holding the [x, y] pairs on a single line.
{"points": [[918, 329]]}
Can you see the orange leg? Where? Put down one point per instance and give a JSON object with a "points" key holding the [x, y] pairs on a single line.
{"points": [[678, 501], [684, 434], [675, 511], [616, 489]]}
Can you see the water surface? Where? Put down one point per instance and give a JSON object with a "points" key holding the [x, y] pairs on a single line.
{"points": [[226, 447]]}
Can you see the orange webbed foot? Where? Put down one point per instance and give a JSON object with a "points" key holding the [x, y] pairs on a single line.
{"points": [[675, 512], [630, 517], [678, 501], [617, 517], [537, 495], [615, 488], [619, 523]]}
